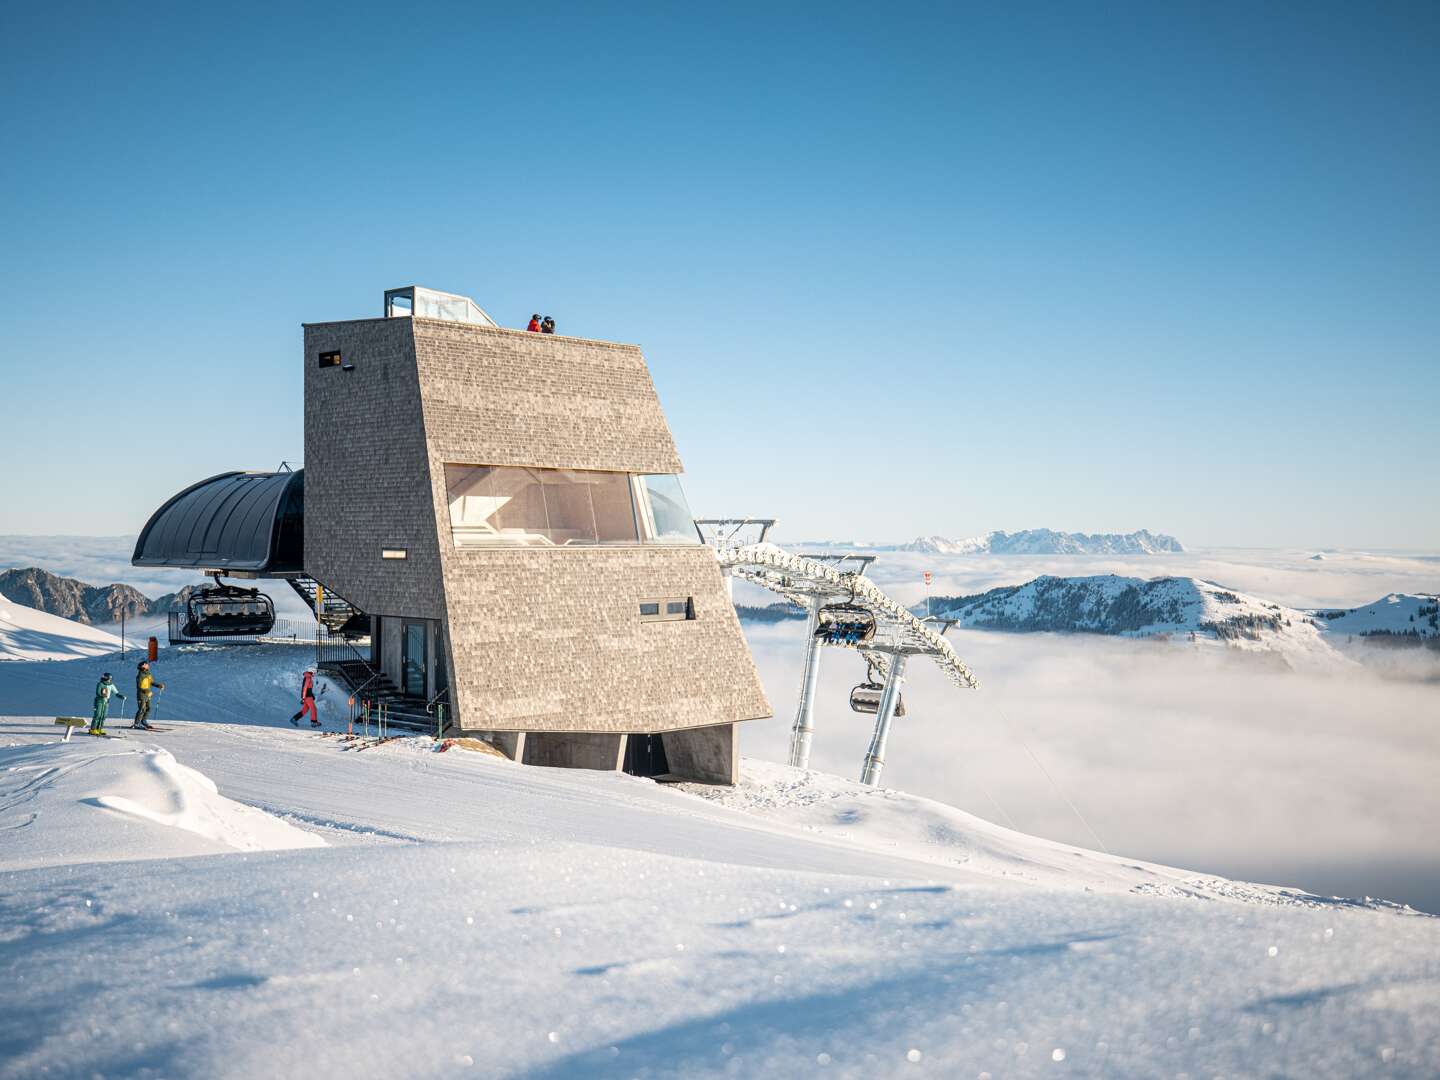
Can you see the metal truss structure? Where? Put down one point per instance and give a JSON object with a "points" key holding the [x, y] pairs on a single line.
{"points": [[814, 582]]}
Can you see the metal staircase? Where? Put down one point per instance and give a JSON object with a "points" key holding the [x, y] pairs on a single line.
{"points": [[333, 612]]}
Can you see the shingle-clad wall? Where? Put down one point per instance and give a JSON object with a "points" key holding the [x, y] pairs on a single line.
{"points": [[367, 477], [536, 639], [550, 639], [508, 397]]}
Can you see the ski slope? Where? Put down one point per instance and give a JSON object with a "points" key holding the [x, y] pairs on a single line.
{"points": [[27, 634], [468, 916]]}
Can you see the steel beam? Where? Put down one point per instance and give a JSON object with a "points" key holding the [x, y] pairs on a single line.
{"points": [[804, 728], [875, 758]]}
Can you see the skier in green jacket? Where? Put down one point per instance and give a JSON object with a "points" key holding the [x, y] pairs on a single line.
{"points": [[104, 691]]}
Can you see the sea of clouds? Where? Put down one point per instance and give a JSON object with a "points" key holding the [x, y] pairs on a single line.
{"points": [[1213, 760]]}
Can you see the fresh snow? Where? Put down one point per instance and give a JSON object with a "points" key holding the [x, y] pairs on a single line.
{"points": [[94, 800], [469, 916], [1178, 607], [893, 822], [475, 917], [1395, 613], [27, 634]]}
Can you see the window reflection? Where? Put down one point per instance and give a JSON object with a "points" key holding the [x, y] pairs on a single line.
{"points": [[667, 513], [513, 505], [503, 504]]}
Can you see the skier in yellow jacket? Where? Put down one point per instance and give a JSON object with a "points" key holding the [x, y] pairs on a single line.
{"points": [[145, 685]]}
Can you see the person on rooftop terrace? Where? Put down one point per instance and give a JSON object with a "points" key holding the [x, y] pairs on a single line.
{"points": [[534, 326], [548, 326]]}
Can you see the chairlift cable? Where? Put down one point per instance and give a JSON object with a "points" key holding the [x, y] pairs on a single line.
{"points": [[1046, 772]]}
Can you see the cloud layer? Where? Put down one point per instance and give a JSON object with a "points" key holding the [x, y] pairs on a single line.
{"points": [[1205, 759]]}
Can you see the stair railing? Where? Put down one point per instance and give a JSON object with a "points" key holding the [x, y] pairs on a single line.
{"points": [[438, 707]]}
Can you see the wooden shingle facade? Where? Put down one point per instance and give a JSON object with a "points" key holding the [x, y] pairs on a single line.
{"points": [[465, 486]]}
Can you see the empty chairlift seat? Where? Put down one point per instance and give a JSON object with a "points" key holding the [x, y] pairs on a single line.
{"points": [[222, 610], [865, 698]]}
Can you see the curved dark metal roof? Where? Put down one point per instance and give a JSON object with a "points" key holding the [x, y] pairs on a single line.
{"points": [[235, 521]]}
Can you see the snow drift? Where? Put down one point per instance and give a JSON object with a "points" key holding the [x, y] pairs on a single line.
{"points": [[103, 800]]}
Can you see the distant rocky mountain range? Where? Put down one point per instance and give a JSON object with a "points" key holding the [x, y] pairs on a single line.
{"points": [[94, 605], [1047, 542]]}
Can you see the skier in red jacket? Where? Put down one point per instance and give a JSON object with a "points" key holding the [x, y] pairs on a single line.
{"points": [[307, 700]]}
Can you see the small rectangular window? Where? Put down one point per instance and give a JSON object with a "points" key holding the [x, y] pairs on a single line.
{"points": [[330, 359], [393, 553], [672, 609]]}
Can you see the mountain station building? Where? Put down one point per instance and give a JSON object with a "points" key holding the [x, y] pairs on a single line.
{"points": [[495, 519]]}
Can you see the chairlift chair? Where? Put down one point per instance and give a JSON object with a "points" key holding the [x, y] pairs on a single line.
{"points": [[222, 610], [865, 698], [847, 624]]}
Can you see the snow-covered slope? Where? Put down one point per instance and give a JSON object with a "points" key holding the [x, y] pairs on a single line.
{"points": [[1047, 542], [27, 634], [1396, 614], [1189, 609], [1138, 607], [474, 917], [893, 822], [101, 800]]}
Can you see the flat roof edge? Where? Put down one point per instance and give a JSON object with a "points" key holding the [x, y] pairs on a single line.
{"points": [[475, 327]]}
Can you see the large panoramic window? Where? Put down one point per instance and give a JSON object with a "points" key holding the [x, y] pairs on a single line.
{"points": [[664, 513], [503, 504], [508, 505]]}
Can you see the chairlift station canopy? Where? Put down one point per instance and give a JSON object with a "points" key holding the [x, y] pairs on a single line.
{"points": [[242, 523]]}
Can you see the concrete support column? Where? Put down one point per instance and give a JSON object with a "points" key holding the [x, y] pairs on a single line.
{"points": [[804, 727], [875, 759]]}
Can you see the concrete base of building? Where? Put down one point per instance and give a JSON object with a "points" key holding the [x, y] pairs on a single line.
{"points": [[707, 755], [710, 755], [574, 750]]}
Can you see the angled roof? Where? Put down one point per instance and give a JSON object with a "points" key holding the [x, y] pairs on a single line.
{"points": [[234, 521]]}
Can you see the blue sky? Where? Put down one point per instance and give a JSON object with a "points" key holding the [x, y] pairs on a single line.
{"points": [[896, 270]]}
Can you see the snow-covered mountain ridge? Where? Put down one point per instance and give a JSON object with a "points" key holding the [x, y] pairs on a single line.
{"points": [[1181, 606], [1402, 615], [1128, 607], [1046, 542]]}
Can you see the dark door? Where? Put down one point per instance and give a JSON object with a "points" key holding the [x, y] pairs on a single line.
{"points": [[413, 658], [645, 756]]}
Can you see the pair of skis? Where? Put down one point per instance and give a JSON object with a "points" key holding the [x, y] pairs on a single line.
{"points": [[138, 730], [372, 743]]}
